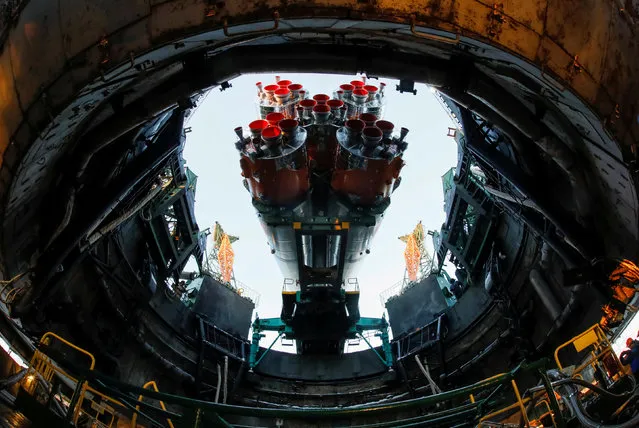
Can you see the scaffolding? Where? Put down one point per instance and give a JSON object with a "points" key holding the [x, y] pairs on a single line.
{"points": [[419, 263], [218, 262]]}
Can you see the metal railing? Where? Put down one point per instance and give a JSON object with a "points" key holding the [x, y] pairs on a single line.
{"points": [[419, 340], [600, 354], [43, 373], [134, 419], [481, 402], [290, 286], [222, 341], [395, 290], [190, 412], [351, 285], [246, 291], [453, 117]]}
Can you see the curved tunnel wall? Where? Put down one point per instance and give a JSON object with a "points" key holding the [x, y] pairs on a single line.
{"points": [[49, 88], [95, 50]]}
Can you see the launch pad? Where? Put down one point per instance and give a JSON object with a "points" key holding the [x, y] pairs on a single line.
{"points": [[544, 96], [320, 170]]}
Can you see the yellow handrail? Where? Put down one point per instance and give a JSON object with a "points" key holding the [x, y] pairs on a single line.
{"points": [[602, 348], [594, 328], [505, 409], [552, 414], [46, 369], [134, 419], [520, 402], [86, 388], [71, 345]]}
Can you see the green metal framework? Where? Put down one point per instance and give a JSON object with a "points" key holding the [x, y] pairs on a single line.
{"points": [[470, 222], [380, 325], [462, 405], [174, 233]]}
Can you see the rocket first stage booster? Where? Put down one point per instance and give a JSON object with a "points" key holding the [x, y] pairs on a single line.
{"points": [[320, 171]]}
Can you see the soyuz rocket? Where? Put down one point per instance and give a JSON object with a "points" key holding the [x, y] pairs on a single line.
{"points": [[320, 170]]}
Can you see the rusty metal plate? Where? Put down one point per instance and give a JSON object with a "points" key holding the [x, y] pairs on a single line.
{"points": [[433, 12], [621, 70], [86, 22], [530, 14], [10, 113], [571, 25], [169, 18], [36, 49]]}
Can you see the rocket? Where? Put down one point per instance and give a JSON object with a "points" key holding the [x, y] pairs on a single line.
{"points": [[320, 170]]}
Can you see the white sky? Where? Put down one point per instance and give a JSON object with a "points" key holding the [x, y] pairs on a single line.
{"points": [[629, 332], [221, 196]]}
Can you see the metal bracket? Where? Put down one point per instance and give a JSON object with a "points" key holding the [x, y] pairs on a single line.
{"points": [[495, 18], [276, 24], [381, 326], [574, 67], [104, 47], [406, 86]]}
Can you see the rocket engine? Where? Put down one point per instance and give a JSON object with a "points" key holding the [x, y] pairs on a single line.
{"points": [[320, 171]]}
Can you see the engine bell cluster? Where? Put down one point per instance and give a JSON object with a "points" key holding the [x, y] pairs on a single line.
{"points": [[298, 134]]}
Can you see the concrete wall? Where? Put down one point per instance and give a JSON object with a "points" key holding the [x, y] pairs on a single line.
{"points": [[416, 306], [469, 306], [224, 307]]}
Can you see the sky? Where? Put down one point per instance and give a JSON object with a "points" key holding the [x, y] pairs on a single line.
{"points": [[629, 332], [221, 196]]}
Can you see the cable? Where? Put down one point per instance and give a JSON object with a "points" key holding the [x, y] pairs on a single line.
{"points": [[592, 387], [9, 281], [572, 399], [588, 385]]}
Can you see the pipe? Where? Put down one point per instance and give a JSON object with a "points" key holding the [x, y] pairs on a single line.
{"points": [[545, 294], [219, 383], [13, 379], [125, 216], [559, 322], [597, 389], [526, 202], [66, 218], [433, 386], [226, 378], [545, 256], [572, 394]]}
